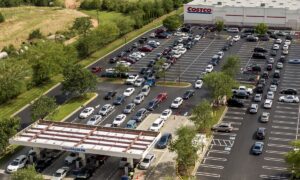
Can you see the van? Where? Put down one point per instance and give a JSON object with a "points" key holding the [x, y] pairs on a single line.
{"points": [[131, 124]]}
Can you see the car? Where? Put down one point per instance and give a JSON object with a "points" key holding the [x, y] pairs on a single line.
{"points": [[119, 120], [273, 87], [61, 173], [289, 99], [71, 158], [259, 56], [270, 95], [252, 38], [106, 109], [151, 63], [265, 75], [139, 82], [146, 161], [260, 133], [119, 100], [131, 124], [166, 114], [123, 63], [289, 91], [131, 79], [225, 48], [94, 120], [209, 68], [164, 140], [129, 108], [285, 47], [264, 38], [241, 95], [276, 74], [157, 125], [273, 52], [268, 103], [279, 65], [287, 42], [270, 61], [139, 98], [275, 47], [135, 45], [257, 148], [259, 88], [220, 54], [121, 54], [233, 102], [262, 81], [166, 66], [162, 96], [85, 173], [197, 37], [294, 61], [145, 90], [269, 67], [260, 49], [285, 52], [42, 164], [96, 69], [198, 84], [275, 82], [253, 108], [264, 117], [153, 104], [113, 60], [233, 30], [146, 48], [257, 97], [236, 38], [223, 126], [182, 50], [188, 94], [86, 112], [109, 95], [282, 59], [18, 163], [140, 115], [128, 92], [278, 41], [176, 103]]}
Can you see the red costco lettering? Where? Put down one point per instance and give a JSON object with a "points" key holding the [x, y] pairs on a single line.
{"points": [[199, 10]]}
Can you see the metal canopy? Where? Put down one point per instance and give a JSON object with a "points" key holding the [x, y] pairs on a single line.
{"points": [[87, 139]]}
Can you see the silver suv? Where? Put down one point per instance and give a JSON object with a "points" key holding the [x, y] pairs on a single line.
{"points": [[253, 109], [224, 126]]}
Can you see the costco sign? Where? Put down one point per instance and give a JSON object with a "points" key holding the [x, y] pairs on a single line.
{"points": [[199, 10]]}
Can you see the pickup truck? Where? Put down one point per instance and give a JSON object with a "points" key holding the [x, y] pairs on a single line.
{"points": [[242, 89]]}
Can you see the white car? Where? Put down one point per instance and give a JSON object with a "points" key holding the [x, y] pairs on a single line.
{"points": [[166, 114], [278, 41], [86, 112], [275, 47], [279, 65], [128, 91], [176, 103], [152, 35], [182, 50], [146, 90], [139, 82], [139, 98], [185, 37], [209, 68], [157, 125], [289, 99], [119, 120], [178, 33], [268, 103], [265, 117], [285, 52], [287, 42], [220, 54], [198, 84], [94, 120], [166, 66], [233, 30], [135, 56], [197, 38], [270, 95], [70, 158], [107, 108], [124, 63], [179, 46], [154, 42], [177, 55], [285, 47], [271, 60], [60, 173], [273, 87], [131, 79], [236, 38], [16, 164], [147, 161]]}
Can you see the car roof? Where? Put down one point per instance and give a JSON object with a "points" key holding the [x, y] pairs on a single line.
{"points": [[148, 156], [158, 120], [254, 105], [268, 101]]}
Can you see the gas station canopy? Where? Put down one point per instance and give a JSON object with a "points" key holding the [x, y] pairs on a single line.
{"points": [[82, 138]]}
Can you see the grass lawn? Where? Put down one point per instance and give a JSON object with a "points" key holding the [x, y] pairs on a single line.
{"points": [[173, 84], [111, 80], [104, 16], [218, 111], [70, 106], [20, 21]]}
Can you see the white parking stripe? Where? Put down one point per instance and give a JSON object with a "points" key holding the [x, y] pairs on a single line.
{"points": [[235, 112], [207, 174], [283, 133], [274, 159], [234, 123], [284, 112], [284, 127], [288, 104], [224, 134], [285, 107], [275, 168], [236, 108], [286, 117], [280, 139], [272, 177], [284, 122], [276, 152], [218, 151], [211, 166], [215, 159], [233, 117], [280, 145]]}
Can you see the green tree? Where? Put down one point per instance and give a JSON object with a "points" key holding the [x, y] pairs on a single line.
{"points": [[185, 149], [125, 24], [82, 25], [168, 5], [293, 159], [40, 73], [120, 69], [202, 116], [28, 173], [10, 49], [261, 29], [219, 26], [172, 22], [43, 107], [35, 34], [78, 81], [232, 66], [8, 128], [159, 71], [2, 19]]}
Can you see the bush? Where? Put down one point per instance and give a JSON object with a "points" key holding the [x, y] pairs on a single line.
{"points": [[2, 19], [35, 34]]}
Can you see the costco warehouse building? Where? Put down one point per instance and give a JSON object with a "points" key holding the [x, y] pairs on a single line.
{"points": [[275, 13]]}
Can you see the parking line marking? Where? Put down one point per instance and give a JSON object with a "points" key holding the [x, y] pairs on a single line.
{"points": [[284, 122], [212, 166], [274, 159], [280, 139], [236, 108], [288, 104], [208, 174], [232, 117], [284, 107], [275, 168], [219, 151], [235, 112], [284, 127], [276, 152], [284, 112], [280, 145], [234, 123], [273, 177], [285, 117], [215, 159], [224, 134]]}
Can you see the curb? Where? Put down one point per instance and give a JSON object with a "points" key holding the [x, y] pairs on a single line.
{"points": [[72, 113]]}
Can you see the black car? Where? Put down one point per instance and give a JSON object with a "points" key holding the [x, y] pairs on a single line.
{"points": [[233, 102], [260, 49], [252, 38], [153, 105], [265, 75], [262, 81], [151, 63], [140, 115], [214, 61], [273, 52], [246, 34], [264, 38], [109, 95], [42, 164], [259, 88], [119, 100], [123, 53], [261, 133], [241, 95], [288, 37], [259, 56], [282, 59], [84, 173], [113, 60], [225, 48], [289, 91], [275, 82], [274, 36], [188, 94], [143, 70], [164, 140], [276, 74]]}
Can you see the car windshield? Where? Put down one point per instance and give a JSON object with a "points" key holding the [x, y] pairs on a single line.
{"points": [[14, 163], [165, 113], [92, 119], [118, 118], [163, 139], [176, 102], [119, 98], [139, 113], [128, 107], [154, 125], [85, 111], [109, 93], [146, 160], [57, 174], [128, 90], [144, 90], [257, 147], [103, 108]]}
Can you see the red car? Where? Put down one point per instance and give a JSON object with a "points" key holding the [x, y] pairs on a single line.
{"points": [[96, 69], [172, 60], [166, 51], [161, 97], [146, 49]]}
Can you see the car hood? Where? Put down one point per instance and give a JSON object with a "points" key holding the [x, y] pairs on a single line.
{"points": [[144, 164], [11, 167]]}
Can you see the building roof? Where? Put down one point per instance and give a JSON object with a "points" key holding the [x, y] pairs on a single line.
{"points": [[88, 139], [289, 4]]}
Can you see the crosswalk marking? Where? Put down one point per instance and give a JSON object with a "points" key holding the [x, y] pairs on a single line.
{"points": [[284, 112], [222, 142], [286, 117], [234, 112], [219, 151], [224, 134], [284, 107], [234, 123], [283, 133], [233, 117]]}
